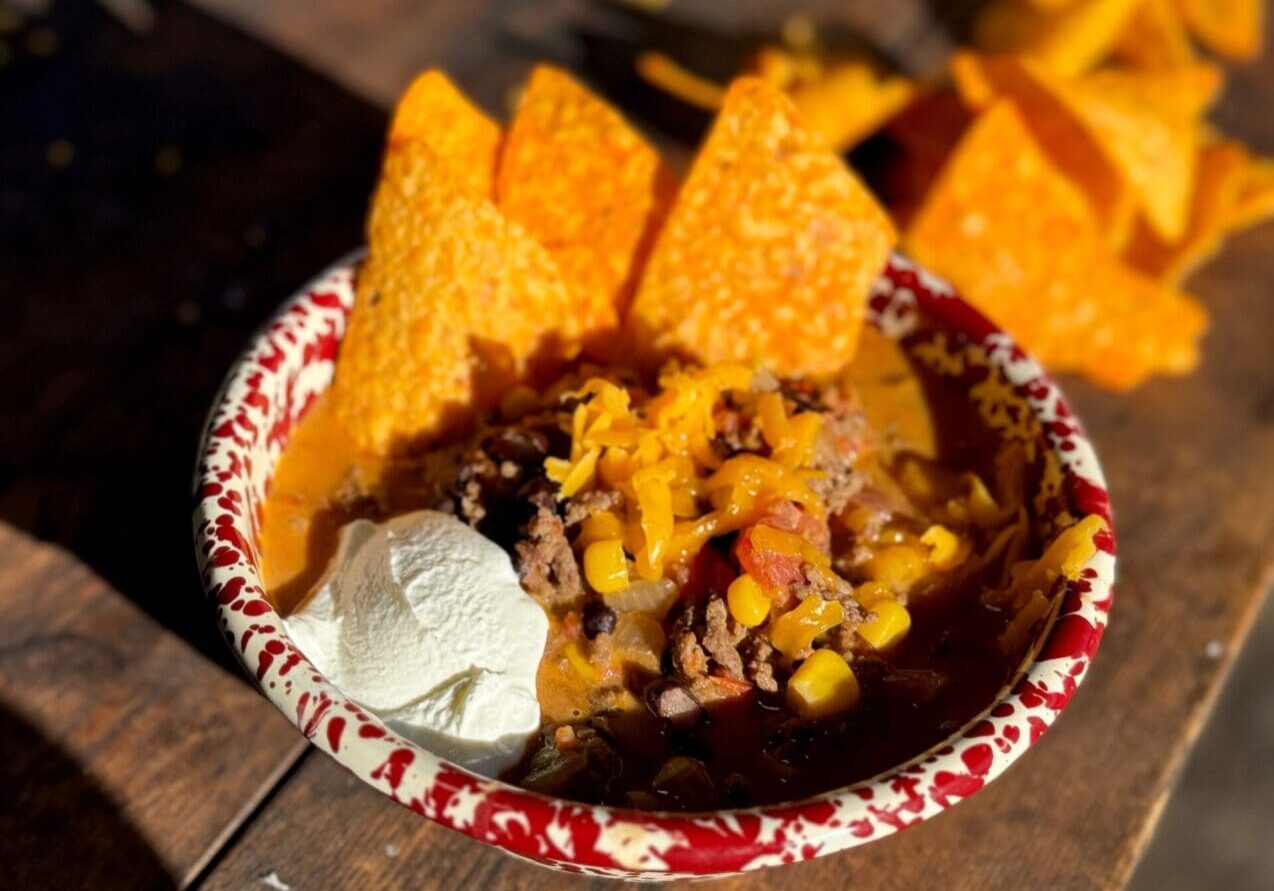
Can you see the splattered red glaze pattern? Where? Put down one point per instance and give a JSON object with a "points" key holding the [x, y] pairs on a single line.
{"points": [[291, 363]]}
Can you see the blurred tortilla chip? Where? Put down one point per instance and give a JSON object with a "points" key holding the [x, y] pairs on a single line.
{"points": [[450, 308], [1138, 126], [1155, 37], [1148, 122], [1231, 28], [769, 251], [1072, 146], [1254, 195], [1021, 243], [1066, 40], [587, 187], [434, 111], [1221, 169], [851, 101]]}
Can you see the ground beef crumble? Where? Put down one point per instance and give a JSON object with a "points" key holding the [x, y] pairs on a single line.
{"points": [[545, 561]]}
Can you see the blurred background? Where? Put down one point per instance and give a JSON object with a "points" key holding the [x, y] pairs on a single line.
{"points": [[169, 172]]}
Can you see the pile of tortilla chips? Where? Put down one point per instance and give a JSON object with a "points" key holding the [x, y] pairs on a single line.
{"points": [[1062, 175], [498, 257]]}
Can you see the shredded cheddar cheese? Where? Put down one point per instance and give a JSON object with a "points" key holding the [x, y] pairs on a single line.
{"points": [[679, 491]]}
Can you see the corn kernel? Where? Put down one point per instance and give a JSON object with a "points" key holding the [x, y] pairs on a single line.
{"points": [[605, 566], [889, 625], [897, 566], [796, 629], [578, 661], [748, 603], [946, 549], [869, 594], [823, 685], [599, 526], [981, 504]]}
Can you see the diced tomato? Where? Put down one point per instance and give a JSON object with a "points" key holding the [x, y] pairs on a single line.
{"points": [[775, 572], [709, 571]]}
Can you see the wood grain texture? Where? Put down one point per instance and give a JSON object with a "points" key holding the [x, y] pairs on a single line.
{"points": [[123, 760], [1191, 465], [172, 272]]}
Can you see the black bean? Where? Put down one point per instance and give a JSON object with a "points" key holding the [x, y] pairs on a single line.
{"points": [[598, 618], [520, 445]]}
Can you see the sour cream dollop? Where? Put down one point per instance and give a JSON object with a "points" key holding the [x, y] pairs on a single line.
{"points": [[421, 620]]}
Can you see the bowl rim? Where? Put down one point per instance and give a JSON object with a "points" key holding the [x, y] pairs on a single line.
{"points": [[288, 361]]}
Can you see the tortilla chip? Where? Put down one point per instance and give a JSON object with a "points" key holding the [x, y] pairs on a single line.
{"points": [[1148, 123], [1144, 124], [587, 187], [1022, 244], [1232, 28], [1066, 41], [851, 101], [1254, 195], [1071, 145], [450, 309], [1155, 37], [433, 111], [769, 251], [1221, 169]]}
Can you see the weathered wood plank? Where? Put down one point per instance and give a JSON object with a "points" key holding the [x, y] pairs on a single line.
{"points": [[126, 759], [1191, 464]]}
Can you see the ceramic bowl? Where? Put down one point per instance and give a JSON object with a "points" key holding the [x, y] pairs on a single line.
{"points": [[290, 362]]}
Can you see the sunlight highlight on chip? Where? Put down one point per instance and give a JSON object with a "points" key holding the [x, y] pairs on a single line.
{"points": [[435, 112], [587, 187], [769, 251], [450, 310]]}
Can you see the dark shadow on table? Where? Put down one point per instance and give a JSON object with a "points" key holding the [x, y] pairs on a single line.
{"points": [[58, 828], [160, 195]]}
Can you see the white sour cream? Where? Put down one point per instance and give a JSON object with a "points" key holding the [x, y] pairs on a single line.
{"points": [[422, 621]]}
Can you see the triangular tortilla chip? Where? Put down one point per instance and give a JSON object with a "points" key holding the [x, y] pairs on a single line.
{"points": [[1155, 37], [1254, 197], [769, 251], [1144, 124], [1148, 123], [452, 308], [851, 101], [1066, 41], [1232, 28], [434, 111], [1021, 244], [1221, 169], [587, 187], [1071, 145]]}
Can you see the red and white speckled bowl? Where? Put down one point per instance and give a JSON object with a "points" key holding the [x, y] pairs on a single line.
{"points": [[290, 362]]}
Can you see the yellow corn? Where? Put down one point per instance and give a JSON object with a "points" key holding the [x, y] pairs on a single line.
{"points": [[981, 504], [578, 661], [946, 549], [897, 566], [889, 625], [748, 603], [823, 685], [599, 526], [796, 629], [870, 593], [605, 566]]}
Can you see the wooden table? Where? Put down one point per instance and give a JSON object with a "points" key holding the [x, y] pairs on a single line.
{"points": [[160, 192]]}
